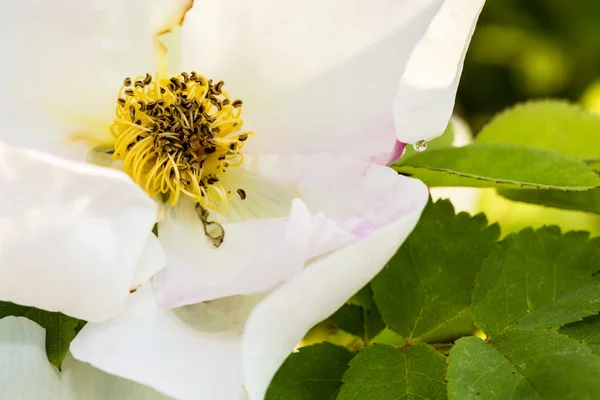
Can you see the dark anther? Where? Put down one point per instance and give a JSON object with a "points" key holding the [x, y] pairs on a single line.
{"points": [[213, 230]]}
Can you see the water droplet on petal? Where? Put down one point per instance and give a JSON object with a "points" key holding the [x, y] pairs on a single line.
{"points": [[421, 145]]}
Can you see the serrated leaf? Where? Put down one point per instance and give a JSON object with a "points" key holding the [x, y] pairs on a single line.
{"points": [[531, 273], [427, 285], [383, 372], [60, 329], [359, 321], [568, 307], [499, 165], [580, 201], [523, 364], [313, 373], [586, 332], [553, 125]]}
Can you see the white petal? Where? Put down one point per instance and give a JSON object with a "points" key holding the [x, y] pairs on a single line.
{"points": [[314, 76], [27, 374], [152, 346], [152, 260], [84, 382], [165, 14], [339, 186], [318, 291], [425, 98], [398, 151], [338, 201], [67, 61], [255, 256], [71, 234]]}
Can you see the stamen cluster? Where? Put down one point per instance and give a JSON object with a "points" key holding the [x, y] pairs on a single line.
{"points": [[177, 136]]}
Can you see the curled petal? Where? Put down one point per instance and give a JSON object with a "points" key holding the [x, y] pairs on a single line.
{"points": [[425, 97]]}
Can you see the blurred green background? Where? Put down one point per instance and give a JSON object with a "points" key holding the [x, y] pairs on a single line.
{"points": [[523, 50]]}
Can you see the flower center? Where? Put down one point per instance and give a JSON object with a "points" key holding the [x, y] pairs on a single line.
{"points": [[178, 136]]}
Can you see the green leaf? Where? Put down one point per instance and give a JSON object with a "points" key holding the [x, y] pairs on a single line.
{"points": [[382, 372], [568, 307], [580, 201], [359, 321], [426, 287], [586, 332], [499, 165], [60, 329], [363, 298], [536, 278], [552, 125], [523, 364], [313, 373]]}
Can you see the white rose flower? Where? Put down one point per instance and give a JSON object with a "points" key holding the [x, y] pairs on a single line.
{"points": [[272, 218]]}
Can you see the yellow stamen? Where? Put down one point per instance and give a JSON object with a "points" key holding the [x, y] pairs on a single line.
{"points": [[176, 137]]}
